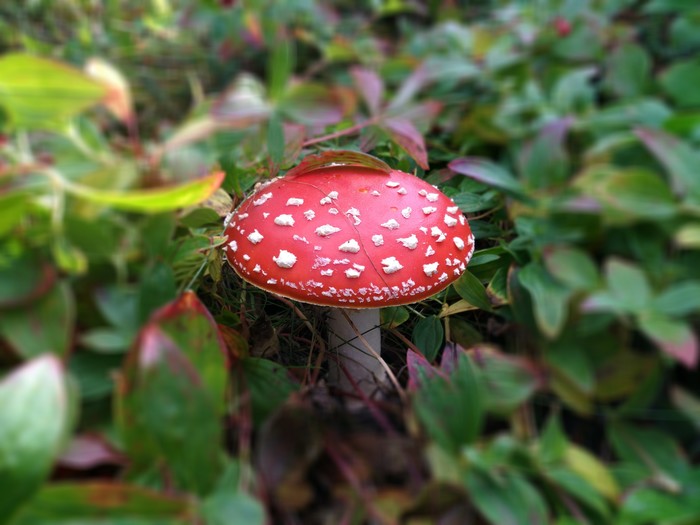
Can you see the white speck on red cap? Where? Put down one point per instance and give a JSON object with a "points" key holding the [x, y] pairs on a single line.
{"points": [[285, 259], [410, 242], [391, 224], [391, 265], [406, 212], [284, 220], [293, 201], [309, 214], [430, 269], [350, 246], [326, 230], [263, 199], [378, 239], [459, 243], [255, 237]]}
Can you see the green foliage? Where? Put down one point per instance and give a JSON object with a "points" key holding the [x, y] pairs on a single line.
{"points": [[554, 382]]}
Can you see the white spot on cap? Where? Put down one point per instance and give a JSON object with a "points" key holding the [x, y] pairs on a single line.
{"points": [[450, 221], [378, 240], [429, 209], [462, 220], [242, 216], [391, 265], [443, 277], [350, 246], [326, 230], [459, 243], [257, 268], [265, 215], [228, 218], [391, 224], [341, 261], [453, 209], [432, 197], [255, 237], [437, 232], [263, 199], [272, 281], [320, 261], [309, 214], [284, 220], [333, 211], [354, 213], [401, 191], [233, 245], [292, 201], [429, 251], [392, 184], [328, 198], [409, 242], [376, 193], [423, 229], [285, 259], [328, 272], [422, 193], [430, 269], [406, 212], [352, 273], [300, 238]]}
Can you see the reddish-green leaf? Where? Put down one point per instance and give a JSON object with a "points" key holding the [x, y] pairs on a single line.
{"points": [[105, 503], [405, 134], [489, 173], [674, 338]]}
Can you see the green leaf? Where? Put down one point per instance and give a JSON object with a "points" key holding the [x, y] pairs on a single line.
{"points": [[688, 236], [628, 285], [268, 384], [678, 299], [489, 173], [550, 299], [192, 328], [393, 316], [23, 277], [45, 325], [471, 290], [201, 217], [675, 338], [505, 498], [592, 470], [553, 441], [678, 157], [280, 66], [168, 418], [311, 104], [152, 200], [39, 93], [676, 79], [450, 407], [544, 161], [34, 423], [573, 268], [629, 68], [228, 504], [578, 487], [13, 206], [687, 404], [507, 380], [627, 194], [647, 505], [428, 335], [275, 138], [105, 503]]}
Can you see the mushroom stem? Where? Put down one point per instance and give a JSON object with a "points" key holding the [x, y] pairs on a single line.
{"points": [[350, 355]]}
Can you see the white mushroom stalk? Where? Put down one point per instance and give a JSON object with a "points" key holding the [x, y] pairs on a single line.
{"points": [[343, 229]]}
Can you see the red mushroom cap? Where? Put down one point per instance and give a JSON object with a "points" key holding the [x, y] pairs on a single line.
{"points": [[351, 233]]}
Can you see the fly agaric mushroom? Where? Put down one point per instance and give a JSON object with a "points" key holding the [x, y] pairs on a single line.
{"points": [[345, 230]]}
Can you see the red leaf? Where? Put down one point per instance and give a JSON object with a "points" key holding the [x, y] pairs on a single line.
{"points": [[88, 451], [405, 134], [371, 87]]}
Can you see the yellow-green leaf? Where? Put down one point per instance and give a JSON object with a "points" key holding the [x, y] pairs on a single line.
{"points": [[154, 200], [592, 470], [39, 93]]}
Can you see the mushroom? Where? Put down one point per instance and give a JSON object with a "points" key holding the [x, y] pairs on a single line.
{"points": [[346, 231]]}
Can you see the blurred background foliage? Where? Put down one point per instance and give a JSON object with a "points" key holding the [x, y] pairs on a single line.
{"points": [[555, 382]]}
